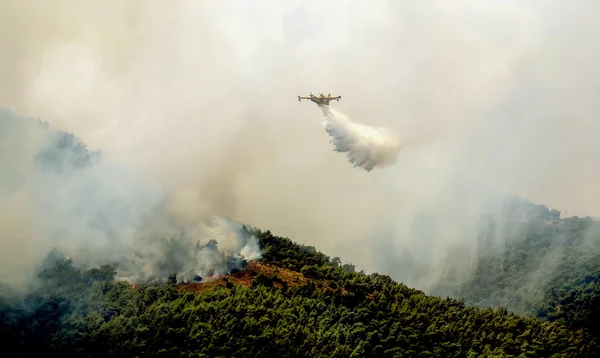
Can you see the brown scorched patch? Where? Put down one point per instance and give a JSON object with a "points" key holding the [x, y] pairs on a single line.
{"points": [[245, 277]]}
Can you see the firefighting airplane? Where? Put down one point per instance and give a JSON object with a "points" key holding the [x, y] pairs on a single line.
{"points": [[321, 99]]}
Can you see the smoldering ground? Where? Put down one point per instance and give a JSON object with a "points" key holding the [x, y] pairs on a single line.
{"points": [[199, 98]]}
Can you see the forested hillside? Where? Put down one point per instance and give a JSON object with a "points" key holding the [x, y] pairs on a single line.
{"points": [[295, 302], [546, 267], [52, 150]]}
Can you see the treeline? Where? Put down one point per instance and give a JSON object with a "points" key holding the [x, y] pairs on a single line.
{"points": [[545, 267], [87, 313], [58, 150]]}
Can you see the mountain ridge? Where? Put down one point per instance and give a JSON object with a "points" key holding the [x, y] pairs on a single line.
{"points": [[374, 317], [297, 301]]}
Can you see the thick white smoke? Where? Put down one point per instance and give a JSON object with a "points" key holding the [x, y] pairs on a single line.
{"points": [[365, 147], [98, 212], [200, 97]]}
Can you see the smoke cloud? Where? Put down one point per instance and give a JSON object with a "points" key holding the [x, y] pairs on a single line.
{"points": [[199, 99], [76, 203], [365, 146]]}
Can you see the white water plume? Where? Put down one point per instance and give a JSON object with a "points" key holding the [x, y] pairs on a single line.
{"points": [[191, 94], [365, 146]]}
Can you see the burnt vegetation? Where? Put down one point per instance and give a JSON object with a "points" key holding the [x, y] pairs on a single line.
{"points": [[294, 302], [298, 302]]}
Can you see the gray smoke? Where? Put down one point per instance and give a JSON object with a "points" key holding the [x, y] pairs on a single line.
{"points": [[199, 98], [97, 212]]}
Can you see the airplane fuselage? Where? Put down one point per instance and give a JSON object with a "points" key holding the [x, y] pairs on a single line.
{"points": [[321, 100]]}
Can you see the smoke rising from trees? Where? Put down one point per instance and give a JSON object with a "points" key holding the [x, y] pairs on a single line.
{"points": [[66, 199], [199, 99]]}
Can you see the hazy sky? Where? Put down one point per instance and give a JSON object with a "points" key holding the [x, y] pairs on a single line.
{"points": [[201, 96]]}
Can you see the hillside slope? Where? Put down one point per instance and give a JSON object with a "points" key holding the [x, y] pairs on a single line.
{"points": [[308, 306], [547, 268], [298, 302]]}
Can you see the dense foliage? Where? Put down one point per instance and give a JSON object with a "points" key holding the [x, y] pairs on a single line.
{"points": [[546, 267], [336, 312]]}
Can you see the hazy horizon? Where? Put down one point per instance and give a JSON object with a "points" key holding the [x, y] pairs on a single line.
{"points": [[201, 98]]}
